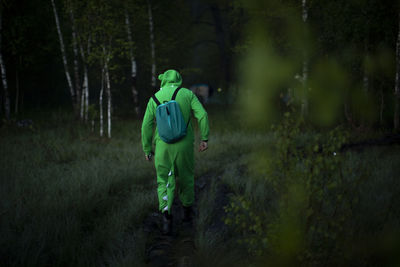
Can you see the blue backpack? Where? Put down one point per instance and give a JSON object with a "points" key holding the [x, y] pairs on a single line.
{"points": [[170, 122]]}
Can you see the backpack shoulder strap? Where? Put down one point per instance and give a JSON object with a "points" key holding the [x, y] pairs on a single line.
{"points": [[175, 93], [156, 100]]}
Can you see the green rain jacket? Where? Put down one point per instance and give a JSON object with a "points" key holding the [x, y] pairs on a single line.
{"points": [[188, 103]]}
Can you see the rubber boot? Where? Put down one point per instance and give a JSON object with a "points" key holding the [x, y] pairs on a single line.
{"points": [[166, 223], [187, 214]]}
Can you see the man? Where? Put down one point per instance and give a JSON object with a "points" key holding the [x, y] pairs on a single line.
{"points": [[176, 159]]}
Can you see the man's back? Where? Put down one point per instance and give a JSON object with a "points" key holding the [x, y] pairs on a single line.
{"points": [[175, 159], [188, 103]]}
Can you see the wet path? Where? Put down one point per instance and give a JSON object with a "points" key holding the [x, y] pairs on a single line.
{"points": [[178, 248], [175, 249]]}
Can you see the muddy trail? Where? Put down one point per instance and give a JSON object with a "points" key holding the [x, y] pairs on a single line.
{"points": [[178, 248]]}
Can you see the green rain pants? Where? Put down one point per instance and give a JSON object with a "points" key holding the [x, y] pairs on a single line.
{"points": [[175, 168]]}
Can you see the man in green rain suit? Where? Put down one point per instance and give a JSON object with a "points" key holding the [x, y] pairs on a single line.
{"points": [[177, 159]]}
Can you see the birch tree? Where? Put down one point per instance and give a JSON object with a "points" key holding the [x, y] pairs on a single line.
{"points": [[108, 93], [6, 95], [64, 57], [397, 81], [85, 86], [78, 90], [84, 31], [105, 84], [108, 32], [135, 93], [152, 46], [101, 103]]}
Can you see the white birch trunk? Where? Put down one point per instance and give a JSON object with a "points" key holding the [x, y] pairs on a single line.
{"points": [[304, 101], [76, 55], [108, 92], [86, 92], [133, 65], [397, 80], [64, 56], [6, 94], [106, 55], [87, 80], [82, 106], [152, 46], [101, 103], [85, 86]]}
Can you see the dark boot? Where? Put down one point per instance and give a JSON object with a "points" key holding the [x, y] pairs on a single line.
{"points": [[166, 223], [187, 214]]}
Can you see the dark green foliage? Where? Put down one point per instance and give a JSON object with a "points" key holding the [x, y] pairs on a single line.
{"points": [[316, 205]]}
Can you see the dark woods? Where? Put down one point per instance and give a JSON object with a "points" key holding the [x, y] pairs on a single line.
{"points": [[80, 54]]}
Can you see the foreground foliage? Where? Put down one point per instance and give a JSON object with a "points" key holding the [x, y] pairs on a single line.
{"points": [[320, 204]]}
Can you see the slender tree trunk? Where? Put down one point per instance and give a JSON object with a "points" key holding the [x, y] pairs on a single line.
{"points": [[108, 92], [152, 47], [76, 56], [107, 56], [65, 62], [397, 81], [101, 103], [82, 105], [17, 91], [85, 86], [86, 92], [6, 95], [304, 101], [87, 81], [84, 100], [135, 92]]}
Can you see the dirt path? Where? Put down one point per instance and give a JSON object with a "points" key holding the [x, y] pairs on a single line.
{"points": [[175, 249], [179, 248]]}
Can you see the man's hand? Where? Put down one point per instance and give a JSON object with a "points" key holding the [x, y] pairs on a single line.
{"points": [[203, 146], [148, 157]]}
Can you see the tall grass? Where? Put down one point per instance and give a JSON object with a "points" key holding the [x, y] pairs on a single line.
{"points": [[69, 197]]}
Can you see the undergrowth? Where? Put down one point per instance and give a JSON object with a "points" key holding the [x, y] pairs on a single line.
{"points": [[69, 197], [314, 204]]}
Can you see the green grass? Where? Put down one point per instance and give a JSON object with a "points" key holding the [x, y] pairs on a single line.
{"points": [[71, 198]]}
